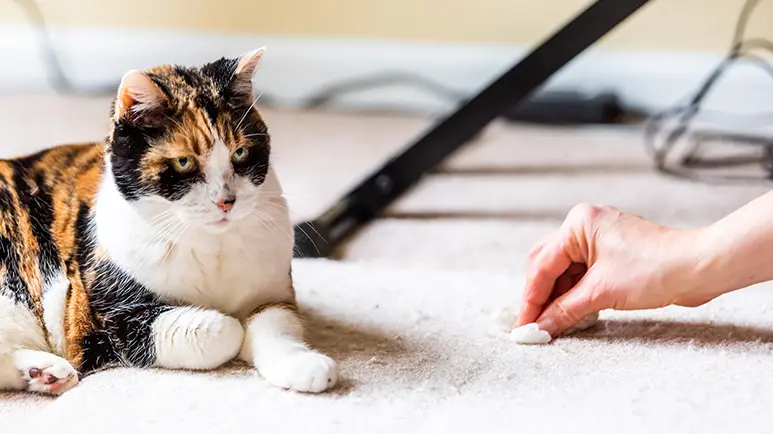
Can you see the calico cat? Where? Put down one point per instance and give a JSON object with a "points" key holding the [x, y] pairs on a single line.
{"points": [[168, 246]]}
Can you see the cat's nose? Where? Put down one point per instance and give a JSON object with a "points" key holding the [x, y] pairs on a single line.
{"points": [[226, 204]]}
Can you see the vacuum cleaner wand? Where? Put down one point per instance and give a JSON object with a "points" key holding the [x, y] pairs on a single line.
{"points": [[319, 237]]}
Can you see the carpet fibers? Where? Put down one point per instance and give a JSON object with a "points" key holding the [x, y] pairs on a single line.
{"points": [[406, 307]]}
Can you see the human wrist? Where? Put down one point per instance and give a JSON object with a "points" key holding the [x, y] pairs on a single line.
{"points": [[695, 267], [717, 267]]}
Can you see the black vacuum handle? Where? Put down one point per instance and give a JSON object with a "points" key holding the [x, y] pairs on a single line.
{"points": [[367, 200]]}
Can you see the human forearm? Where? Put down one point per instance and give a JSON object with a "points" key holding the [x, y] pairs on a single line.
{"points": [[602, 258], [737, 251]]}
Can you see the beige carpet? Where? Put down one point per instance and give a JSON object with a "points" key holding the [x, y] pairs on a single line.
{"points": [[406, 309]]}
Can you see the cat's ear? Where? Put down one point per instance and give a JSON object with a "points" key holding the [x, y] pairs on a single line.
{"points": [[247, 64], [137, 95]]}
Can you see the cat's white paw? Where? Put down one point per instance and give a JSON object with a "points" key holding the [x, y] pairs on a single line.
{"points": [[193, 338], [302, 370], [45, 372]]}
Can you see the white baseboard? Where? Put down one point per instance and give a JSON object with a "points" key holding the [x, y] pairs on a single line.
{"points": [[294, 68]]}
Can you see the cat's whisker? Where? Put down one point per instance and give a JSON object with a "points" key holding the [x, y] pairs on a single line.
{"points": [[265, 226], [183, 227], [273, 204], [292, 213], [284, 194], [304, 233], [160, 234], [267, 219], [238, 124], [159, 226], [279, 207], [309, 238], [161, 230], [153, 225], [278, 227], [173, 120], [170, 236], [315, 231], [282, 206], [160, 215], [264, 219]]}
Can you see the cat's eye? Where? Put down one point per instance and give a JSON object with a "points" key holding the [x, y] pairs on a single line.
{"points": [[240, 155], [184, 164]]}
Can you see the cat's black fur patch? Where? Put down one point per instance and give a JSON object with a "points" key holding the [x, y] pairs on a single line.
{"points": [[12, 284], [255, 168], [173, 186], [162, 85], [221, 73], [36, 200], [98, 352], [6, 200], [130, 143], [85, 239], [126, 311]]}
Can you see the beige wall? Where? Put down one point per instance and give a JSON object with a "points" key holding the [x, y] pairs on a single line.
{"points": [[693, 25]]}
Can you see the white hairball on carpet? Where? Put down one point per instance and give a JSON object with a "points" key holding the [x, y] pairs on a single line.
{"points": [[503, 319], [529, 334]]}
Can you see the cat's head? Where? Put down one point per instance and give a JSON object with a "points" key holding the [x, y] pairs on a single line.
{"points": [[189, 142]]}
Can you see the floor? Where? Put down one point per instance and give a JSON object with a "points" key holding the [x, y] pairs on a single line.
{"points": [[406, 308]]}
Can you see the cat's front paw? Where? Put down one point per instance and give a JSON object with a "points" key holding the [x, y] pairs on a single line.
{"points": [[197, 339], [302, 370], [45, 372]]}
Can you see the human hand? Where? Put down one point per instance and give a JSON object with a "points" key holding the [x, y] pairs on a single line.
{"points": [[602, 258]]}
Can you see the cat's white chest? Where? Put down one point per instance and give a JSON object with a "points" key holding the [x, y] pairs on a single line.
{"points": [[233, 272]]}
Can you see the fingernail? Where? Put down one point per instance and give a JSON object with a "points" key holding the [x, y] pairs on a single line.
{"points": [[547, 325]]}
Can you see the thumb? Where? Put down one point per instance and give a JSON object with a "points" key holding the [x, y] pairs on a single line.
{"points": [[570, 308]]}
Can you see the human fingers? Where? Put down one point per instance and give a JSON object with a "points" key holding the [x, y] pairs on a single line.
{"points": [[585, 298], [543, 270], [568, 280]]}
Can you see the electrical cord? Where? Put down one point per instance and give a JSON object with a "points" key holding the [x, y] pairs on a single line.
{"points": [[62, 83], [686, 114], [384, 79], [59, 79], [739, 48], [323, 97]]}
